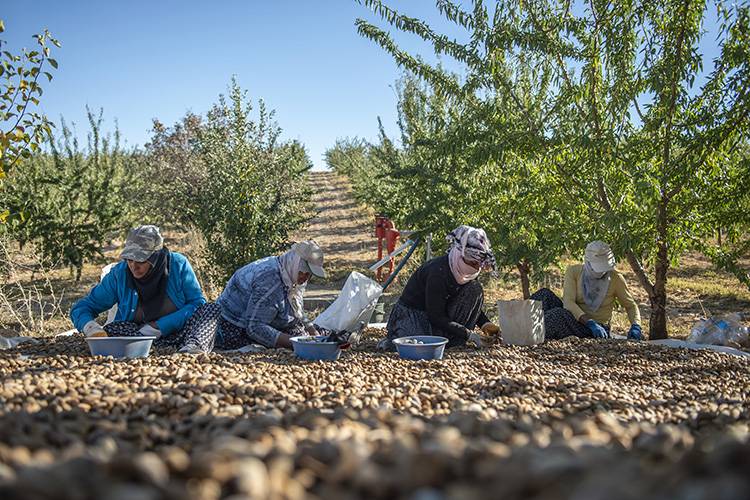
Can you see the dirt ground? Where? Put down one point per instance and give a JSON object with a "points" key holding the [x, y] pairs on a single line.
{"points": [[342, 227]]}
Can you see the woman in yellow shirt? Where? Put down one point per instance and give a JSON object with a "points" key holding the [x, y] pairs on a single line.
{"points": [[589, 293]]}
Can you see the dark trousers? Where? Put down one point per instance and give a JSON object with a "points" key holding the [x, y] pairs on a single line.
{"points": [[558, 321]]}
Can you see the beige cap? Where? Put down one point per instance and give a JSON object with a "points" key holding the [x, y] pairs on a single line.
{"points": [[600, 256], [311, 253]]}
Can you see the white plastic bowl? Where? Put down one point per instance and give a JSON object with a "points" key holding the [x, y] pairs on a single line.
{"points": [[120, 347]]}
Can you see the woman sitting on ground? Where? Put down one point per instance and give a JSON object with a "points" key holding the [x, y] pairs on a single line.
{"points": [[589, 292], [156, 292], [443, 297], [261, 303]]}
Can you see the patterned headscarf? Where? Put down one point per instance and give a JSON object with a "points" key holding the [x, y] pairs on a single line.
{"points": [[473, 244]]}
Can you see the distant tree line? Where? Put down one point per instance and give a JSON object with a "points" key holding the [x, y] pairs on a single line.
{"points": [[225, 175]]}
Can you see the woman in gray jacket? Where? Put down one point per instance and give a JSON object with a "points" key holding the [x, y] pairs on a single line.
{"points": [[262, 303]]}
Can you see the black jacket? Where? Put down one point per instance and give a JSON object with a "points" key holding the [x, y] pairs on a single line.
{"points": [[430, 289]]}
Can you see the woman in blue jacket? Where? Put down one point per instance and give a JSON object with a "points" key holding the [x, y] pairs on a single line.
{"points": [[155, 290]]}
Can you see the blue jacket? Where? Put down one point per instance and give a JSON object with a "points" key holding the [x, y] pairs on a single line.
{"points": [[182, 288], [256, 299]]}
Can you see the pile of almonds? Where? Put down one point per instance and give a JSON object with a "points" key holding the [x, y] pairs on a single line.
{"points": [[568, 419]]}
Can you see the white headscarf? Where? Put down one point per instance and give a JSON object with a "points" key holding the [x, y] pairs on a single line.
{"points": [[290, 264], [595, 286]]}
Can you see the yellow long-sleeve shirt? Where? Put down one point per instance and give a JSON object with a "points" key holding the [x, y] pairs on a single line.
{"points": [[573, 297]]}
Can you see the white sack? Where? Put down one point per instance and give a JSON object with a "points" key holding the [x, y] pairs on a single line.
{"points": [[355, 303], [521, 321], [11, 342], [676, 343]]}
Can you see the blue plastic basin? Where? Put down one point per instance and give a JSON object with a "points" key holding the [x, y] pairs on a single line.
{"points": [[120, 347], [431, 348], [315, 351]]}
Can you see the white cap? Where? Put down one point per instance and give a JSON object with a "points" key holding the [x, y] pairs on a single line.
{"points": [[600, 256], [312, 255]]}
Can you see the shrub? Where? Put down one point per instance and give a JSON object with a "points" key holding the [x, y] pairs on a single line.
{"points": [[255, 192], [71, 200], [172, 173]]}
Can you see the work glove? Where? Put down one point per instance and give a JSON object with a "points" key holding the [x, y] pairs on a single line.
{"points": [[490, 328], [93, 329], [386, 344], [311, 330], [149, 331], [635, 332], [191, 349], [597, 330], [474, 337]]}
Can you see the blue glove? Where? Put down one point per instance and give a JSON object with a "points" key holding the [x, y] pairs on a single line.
{"points": [[597, 329], [635, 332]]}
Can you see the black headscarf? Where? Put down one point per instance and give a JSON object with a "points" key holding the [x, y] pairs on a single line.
{"points": [[152, 288]]}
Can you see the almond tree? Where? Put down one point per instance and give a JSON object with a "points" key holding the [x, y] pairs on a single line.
{"points": [[636, 133], [22, 130]]}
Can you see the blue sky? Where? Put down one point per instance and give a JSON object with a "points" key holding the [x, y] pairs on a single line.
{"points": [[158, 59], [141, 60]]}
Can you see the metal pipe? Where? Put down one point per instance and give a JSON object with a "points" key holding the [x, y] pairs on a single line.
{"points": [[387, 258], [401, 264]]}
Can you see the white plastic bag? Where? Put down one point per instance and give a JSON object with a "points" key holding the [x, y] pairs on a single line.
{"points": [[521, 321], [354, 305], [724, 330]]}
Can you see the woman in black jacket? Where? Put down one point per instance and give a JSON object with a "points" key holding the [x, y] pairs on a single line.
{"points": [[443, 296]]}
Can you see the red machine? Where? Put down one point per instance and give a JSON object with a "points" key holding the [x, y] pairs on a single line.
{"points": [[385, 231]]}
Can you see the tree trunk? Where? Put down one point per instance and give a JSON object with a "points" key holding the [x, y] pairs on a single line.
{"points": [[658, 296], [658, 321], [523, 269]]}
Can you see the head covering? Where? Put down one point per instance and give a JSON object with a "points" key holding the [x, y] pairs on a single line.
{"points": [[598, 262], [470, 243], [462, 272], [301, 257], [290, 262], [304, 267], [141, 243], [152, 288], [312, 255], [600, 257]]}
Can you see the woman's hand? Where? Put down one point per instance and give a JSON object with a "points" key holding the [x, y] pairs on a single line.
{"points": [[490, 328], [149, 331], [597, 330], [93, 329], [474, 337], [635, 332]]}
